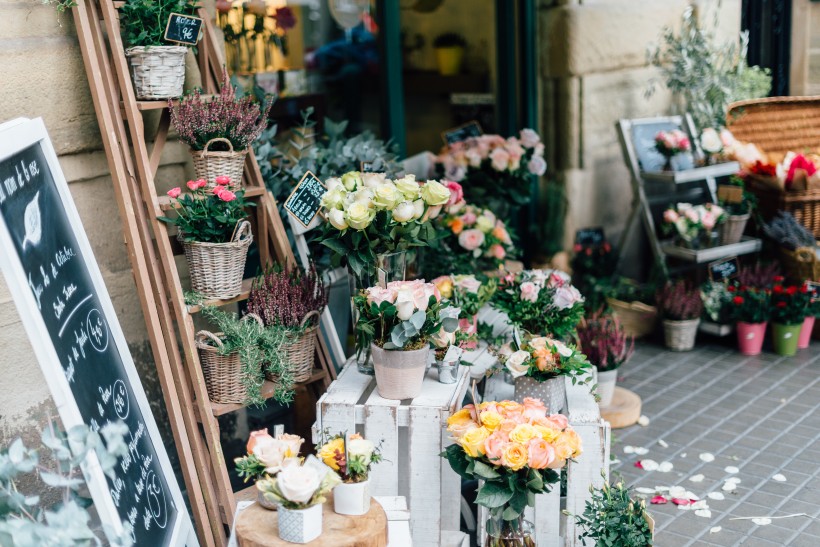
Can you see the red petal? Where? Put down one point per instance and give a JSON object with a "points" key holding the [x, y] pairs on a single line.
{"points": [[681, 501], [638, 464], [658, 500]]}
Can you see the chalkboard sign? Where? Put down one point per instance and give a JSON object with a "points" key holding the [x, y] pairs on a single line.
{"points": [[462, 133], [590, 236], [722, 270], [65, 308], [814, 290], [649, 159], [183, 29], [305, 200]]}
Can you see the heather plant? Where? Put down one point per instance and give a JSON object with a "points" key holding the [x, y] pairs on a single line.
{"points": [[758, 276], [283, 296], [603, 340], [241, 120], [679, 301], [142, 22]]}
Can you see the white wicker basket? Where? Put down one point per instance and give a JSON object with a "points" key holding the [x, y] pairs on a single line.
{"points": [[158, 72]]}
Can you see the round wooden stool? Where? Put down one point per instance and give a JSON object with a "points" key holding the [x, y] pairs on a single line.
{"points": [[259, 527], [624, 410]]}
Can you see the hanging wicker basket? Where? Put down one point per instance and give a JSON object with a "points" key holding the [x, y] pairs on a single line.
{"points": [[732, 229], [802, 263], [223, 373], [158, 72], [209, 164], [299, 351], [217, 268]]}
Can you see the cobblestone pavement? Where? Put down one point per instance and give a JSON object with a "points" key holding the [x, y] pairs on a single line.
{"points": [[759, 415]]}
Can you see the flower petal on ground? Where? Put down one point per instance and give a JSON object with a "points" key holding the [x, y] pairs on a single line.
{"points": [[762, 521], [641, 451], [629, 449], [678, 492], [659, 500], [704, 513], [729, 486], [715, 529], [731, 469], [707, 457], [696, 478], [663, 443], [645, 490], [643, 421], [779, 478], [716, 496], [665, 467], [681, 501], [647, 465]]}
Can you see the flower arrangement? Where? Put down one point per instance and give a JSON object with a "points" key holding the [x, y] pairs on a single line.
{"points": [[672, 143], [604, 342], [515, 450], [543, 358], [750, 304], [717, 301], [285, 295], [541, 302], [495, 171], [469, 294], [240, 120], [298, 485], [790, 303], [207, 216], [266, 455], [142, 22], [693, 224], [351, 458], [679, 301], [612, 517], [367, 214]]}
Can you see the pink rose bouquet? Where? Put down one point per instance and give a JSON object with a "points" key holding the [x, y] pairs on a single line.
{"points": [[693, 224], [470, 295], [672, 143]]}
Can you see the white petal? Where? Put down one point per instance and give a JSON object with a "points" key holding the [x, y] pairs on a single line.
{"points": [[685, 507], [731, 469], [692, 496], [683, 455], [733, 480], [700, 505], [762, 521], [641, 451], [665, 467], [707, 457], [662, 489], [629, 449], [678, 492], [715, 529], [643, 421], [779, 478], [644, 490], [704, 513], [615, 461], [716, 496], [663, 443], [729, 487], [649, 465], [696, 478]]}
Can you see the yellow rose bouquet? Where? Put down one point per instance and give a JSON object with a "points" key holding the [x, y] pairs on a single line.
{"points": [[516, 449]]}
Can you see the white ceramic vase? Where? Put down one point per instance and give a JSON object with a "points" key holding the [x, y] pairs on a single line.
{"points": [[300, 525], [607, 379], [352, 498]]}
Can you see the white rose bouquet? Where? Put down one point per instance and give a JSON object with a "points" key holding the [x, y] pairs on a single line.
{"points": [[299, 485], [544, 358], [267, 454], [352, 459]]}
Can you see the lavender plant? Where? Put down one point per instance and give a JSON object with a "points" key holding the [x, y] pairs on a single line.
{"points": [[283, 296], [679, 301]]}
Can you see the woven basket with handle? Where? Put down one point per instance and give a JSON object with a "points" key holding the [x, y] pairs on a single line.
{"points": [[158, 72], [223, 373], [300, 349], [209, 164], [217, 268], [801, 264], [638, 319]]}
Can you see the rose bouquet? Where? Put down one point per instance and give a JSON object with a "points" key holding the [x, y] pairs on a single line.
{"points": [[543, 358], [671, 143], [267, 454], [693, 224], [207, 216], [470, 295], [540, 302], [515, 450], [495, 171]]}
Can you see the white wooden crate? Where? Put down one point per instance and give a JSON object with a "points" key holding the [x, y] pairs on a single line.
{"points": [[413, 434]]}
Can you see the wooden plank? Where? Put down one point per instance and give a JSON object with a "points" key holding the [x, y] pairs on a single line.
{"points": [[336, 412], [381, 426], [425, 471], [266, 391], [243, 295], [160, 140]]}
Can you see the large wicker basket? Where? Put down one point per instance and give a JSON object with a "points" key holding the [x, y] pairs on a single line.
{"points": [[217, 269], [223, 373], [778, 125], [158, 72], [801, 264], [209, 164], [638, 319], [300, 350]]}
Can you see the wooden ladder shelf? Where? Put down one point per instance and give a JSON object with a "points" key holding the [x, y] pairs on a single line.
{"points": [[152, 248]]}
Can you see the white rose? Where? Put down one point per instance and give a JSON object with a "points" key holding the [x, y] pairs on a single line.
{"points": [[485, 224], [435, 193], [443, 339], [293, 442], [361, 448], [271, 452], [405, 305], [298, 483], [710, 141], [365, 196], [515, 363], [373, 180], [352, 180], [418, 209], [333, 182], [359, 216], [408, 187], [404, 212], [386, 196], [334, 199], [562, 348], [336, 217]]}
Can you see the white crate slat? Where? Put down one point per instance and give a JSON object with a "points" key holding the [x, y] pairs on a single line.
{"points": [[450, 490], [381, 426], [398, 534], [336, 409], [454, 539], [547, 515], [425, 499]]}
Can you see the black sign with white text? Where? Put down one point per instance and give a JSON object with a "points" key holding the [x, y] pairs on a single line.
{"points": [[183, 29], [306, 199]]}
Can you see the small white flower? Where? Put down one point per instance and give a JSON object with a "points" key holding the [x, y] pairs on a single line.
{"points": [[516, 363]]}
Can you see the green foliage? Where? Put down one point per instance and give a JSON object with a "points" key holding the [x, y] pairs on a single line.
{"points": [[206, 217], [142, 22], [612, 518], [750, 304], [747, 205], [24, 522], [717, 300], [61, 5], [629, 290], [249, 468]]}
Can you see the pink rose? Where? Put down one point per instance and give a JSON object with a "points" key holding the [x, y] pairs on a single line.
{"points": [[421, 298], [223, 180], [514, 150], [377, 295], [468, 218], [537, 166], [497, 251], [218, 190], [529, 291], [727, 138], [255, 437], [709, 220], [192, 185], [565, 297], [670, 215], [540, 454], [471, 239], [474, 157], [529, 138], [692, 215], [226, 195], [456, 192], [500, 159], [174, 192], [559, 421], [469, 284], [493, 446], [534, 408]]}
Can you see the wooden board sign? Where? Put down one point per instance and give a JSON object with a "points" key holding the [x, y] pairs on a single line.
{"points": [[183, 29], [725, 269], [305, 201], [590, 236], [814, 290], [729, 193], [462, 133], [64, 306]]}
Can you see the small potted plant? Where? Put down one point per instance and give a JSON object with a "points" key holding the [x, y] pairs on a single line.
{"points": [[737, 210], [607, 347], [681, 306], [351, 457], [293, 299], [449, 49], [219, 131], [671, 143], [299, 490], [790, 306], [633, 304], [800, 254], [215, 235], [750, 308], [157, 67], [812, 312], [717, 302], [396, 322], [470, 295], [612, 517], [265, 457], [693, 225]]}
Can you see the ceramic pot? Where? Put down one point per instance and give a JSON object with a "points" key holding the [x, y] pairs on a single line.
{"points": [[352, 498], [804, 339], [607, 379], [750, 337], [551, 392], [680, 335], [300, 525], [449, 60], [785, 338], [399, 374]]}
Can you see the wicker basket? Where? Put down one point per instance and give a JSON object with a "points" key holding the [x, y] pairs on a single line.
{"points": [[208, 164], [158, 72], [680, 335], [638, 319], [300, 352], [732, 229], [223, 373], [801, 264], [217, 268]]}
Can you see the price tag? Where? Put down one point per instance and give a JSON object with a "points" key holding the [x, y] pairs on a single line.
{"points": [[453, 354], [306, 199], [183, 29], [590, 236], [462, 133], [725, 269], [730, 193]]}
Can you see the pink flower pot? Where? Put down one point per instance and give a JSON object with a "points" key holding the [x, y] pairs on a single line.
{"points": [[750, 337], [805, 333], [468, 327]]}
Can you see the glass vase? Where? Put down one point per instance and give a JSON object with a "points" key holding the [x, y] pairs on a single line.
{"points": [[388, 267], [509, 533]]}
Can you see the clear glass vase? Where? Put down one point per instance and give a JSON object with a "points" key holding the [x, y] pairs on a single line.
{"points": [[509, 533], [388, 267]]}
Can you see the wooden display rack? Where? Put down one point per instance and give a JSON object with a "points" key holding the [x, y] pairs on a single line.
{"points": [[152, 249]]}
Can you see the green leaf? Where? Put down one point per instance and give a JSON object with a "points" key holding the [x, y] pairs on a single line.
{"points": [[485, 471], [493, 494]]}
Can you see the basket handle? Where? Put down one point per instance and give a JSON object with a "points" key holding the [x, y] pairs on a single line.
{"points": [[805, 254], [204, 334], [241, 231], [308, 316], [217, 139], [254, 317]]}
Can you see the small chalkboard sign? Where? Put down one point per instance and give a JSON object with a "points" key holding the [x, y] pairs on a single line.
{"points": [[590, 236], [723, 270], [367, 166], [305, 201], [183, 29], [814, 290], [462, 133]]}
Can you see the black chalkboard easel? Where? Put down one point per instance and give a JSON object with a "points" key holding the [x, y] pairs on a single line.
{"points": [[590, 236], [462, 133], [305, 200], [183, 29], [725, 269]]}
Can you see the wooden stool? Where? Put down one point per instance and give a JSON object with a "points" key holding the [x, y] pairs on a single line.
{"points": [[624, 410], [259, 527]]}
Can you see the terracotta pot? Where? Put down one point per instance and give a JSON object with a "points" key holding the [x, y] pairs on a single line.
{"points": [[750, 337], [399, 374]]}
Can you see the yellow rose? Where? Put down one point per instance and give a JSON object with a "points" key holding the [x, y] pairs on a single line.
{"points": [[547, 433], [445, 287], [460, 423], [352, 180], [484, 224], [523, 433], [408, 187], [328, 453], [491, 420], [568, 445], [359, 216], [514, 456], [385, 196], [473, 441], [435, 193]]}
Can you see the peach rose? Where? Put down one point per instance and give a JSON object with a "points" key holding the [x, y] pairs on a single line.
{"points": [[497, 251], [493, 446], [534, 408], [541, 454], [559, 420], [471, 239], [255, 436], [514, 456], [460, 423]]}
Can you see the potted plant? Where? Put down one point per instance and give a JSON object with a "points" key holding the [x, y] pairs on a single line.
{"points": [[538, 368], [737, 212], [469, 294], [717, 302], [681, 307], [542, 302], [265, 457], [751, 308], [299, 490], [693, 225], [612, 517], [219, 131], [396, 323], [514, 451], [157, 67], [292, 299], [812, 312], [607, 347], [800, 254], [593, 266], [633, 304], [351, 456], [790, 305], [449, 49]]}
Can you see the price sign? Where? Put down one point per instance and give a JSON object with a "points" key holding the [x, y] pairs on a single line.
{"points": [[725, 269], [814, 290], [590, 236], [183, 29], [729, 193], [462, 133], [306, 199]]}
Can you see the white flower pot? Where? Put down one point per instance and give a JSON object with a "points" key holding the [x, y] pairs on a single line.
{"points": [[680, 335], [352, 498], [399, 374], [552, 393], [606, 386], [300, 525]]}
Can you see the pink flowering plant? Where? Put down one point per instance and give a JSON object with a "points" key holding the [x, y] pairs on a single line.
{"points": [[404, 315], [207, 216], [604, 341], [693, 224], [672, 143], [542, 302]]}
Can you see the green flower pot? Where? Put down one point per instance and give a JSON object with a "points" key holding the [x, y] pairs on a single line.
{"points": [[785, 338]]}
